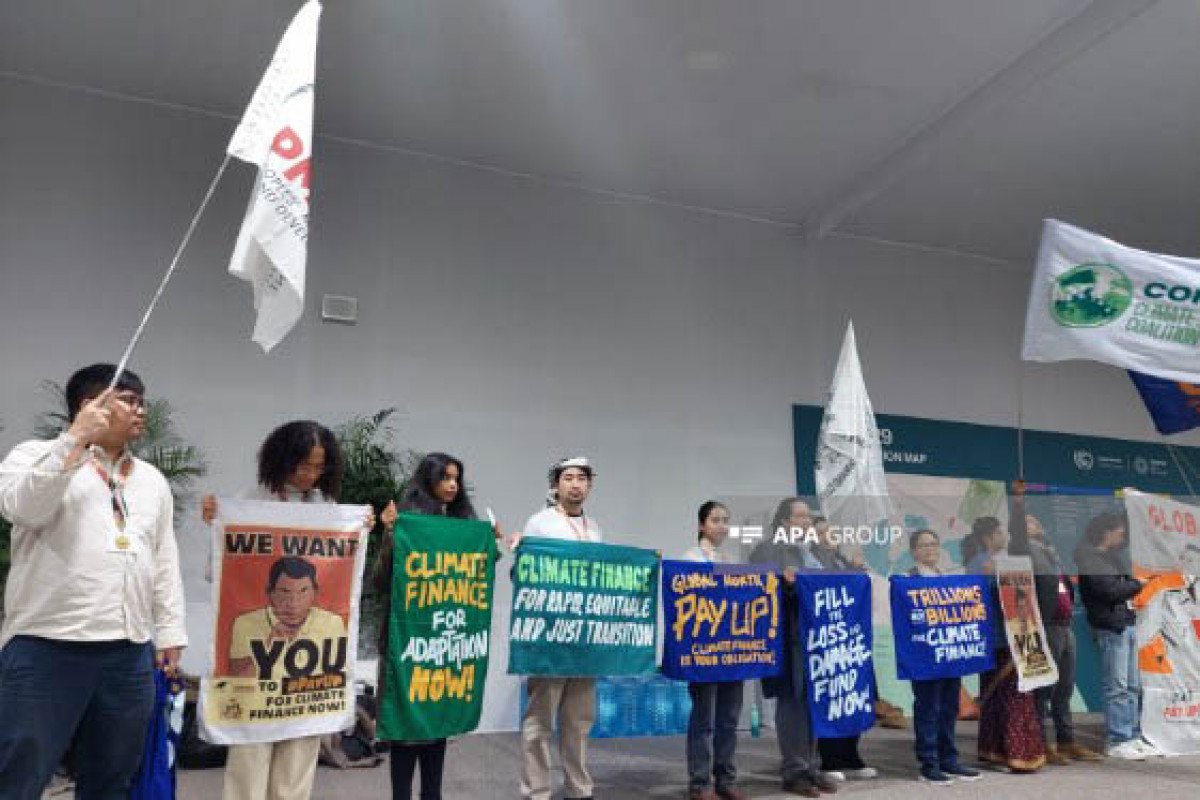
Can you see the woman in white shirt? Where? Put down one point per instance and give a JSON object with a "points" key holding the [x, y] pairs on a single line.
{"points": [[716, 706]]}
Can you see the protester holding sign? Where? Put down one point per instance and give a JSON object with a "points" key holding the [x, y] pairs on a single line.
{"points": [[571, 701], [840, 759], [935, 700], [1107, 588], [1055, 599], [299, 462], [94, 596], [437, 488], [793, 724], [1009, 729], [716, 706]]}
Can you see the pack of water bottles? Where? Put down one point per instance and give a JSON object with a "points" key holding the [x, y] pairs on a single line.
{"points": [[642, 705]]}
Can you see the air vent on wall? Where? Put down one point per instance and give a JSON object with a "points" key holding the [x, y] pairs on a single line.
{"points": [[336, 308]]}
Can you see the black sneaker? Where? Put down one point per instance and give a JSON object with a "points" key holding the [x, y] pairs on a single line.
{"points": [[801, 787], [961, 773], [934, 776]]}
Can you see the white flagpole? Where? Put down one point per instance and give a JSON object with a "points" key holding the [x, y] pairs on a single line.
{"points": [[1021, 419], [137, 334]]}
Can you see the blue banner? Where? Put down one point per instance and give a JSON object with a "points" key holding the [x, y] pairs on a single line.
{"points": [[722, 622], [1174, 406], [943, 626], [835, 623]]}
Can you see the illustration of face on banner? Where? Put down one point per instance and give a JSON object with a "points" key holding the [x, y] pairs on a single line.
{"points": [[835, 623], [722, 622], [582, 608], [286, 593], [439, 630], [1023, 624], [943, 626]]}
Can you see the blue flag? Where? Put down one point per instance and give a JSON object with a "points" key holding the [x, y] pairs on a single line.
{"points": [[835, 626], [943, 626], [722, 622], [1174, 406], [155, 778]]}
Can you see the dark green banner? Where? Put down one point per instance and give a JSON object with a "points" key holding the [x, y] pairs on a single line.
{"points": [[581, 608], [439, 631]]}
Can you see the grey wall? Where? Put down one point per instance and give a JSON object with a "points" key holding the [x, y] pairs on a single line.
{"points": [[511, 322]]}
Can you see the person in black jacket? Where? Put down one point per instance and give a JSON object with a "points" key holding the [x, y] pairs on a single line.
{"points": [[1107, 587]]}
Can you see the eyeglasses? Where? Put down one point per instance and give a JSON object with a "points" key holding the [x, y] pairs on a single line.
{"points": [[132, 399]]}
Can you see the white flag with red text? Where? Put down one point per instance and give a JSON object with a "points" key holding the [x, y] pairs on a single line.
{"points": [[275, 135]]}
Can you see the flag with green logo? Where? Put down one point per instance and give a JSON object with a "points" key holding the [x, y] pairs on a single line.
{"points": [[583, 608], [439, 629], [1095, 299]]}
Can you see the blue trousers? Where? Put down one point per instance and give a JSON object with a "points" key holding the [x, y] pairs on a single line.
{"points": [[95, 698], [1122, 683], [935, 712], [712, 733]]}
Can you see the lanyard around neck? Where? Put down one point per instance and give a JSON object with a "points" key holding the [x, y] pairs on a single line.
{"points": [[580, 533], [115, 481]]}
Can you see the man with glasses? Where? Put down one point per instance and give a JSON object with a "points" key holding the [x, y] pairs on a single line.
{"points": [[94, 596]]}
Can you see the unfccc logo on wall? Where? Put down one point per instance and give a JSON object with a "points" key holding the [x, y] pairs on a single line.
{"points": [[1091, 295], [1084, 460]]}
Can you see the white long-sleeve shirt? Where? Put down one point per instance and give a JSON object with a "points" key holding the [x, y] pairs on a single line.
{"points": [[65, 582]]}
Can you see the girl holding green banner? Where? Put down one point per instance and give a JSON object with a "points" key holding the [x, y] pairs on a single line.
{"points": [[437, 488]]}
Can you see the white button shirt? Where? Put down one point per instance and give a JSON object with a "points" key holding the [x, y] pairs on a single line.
{"points": [[64, 582]]}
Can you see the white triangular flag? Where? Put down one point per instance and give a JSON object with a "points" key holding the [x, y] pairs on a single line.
{"points": [[851, 485], [276, 136]]}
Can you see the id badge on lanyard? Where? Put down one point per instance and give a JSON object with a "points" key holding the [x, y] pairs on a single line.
{"points": [[119, 540]]}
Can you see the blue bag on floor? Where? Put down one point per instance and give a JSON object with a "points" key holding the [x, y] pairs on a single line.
{"points": [[155, 779]]}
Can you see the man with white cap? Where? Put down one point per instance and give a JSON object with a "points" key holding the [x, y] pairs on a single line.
{"points": [[572, 700]]}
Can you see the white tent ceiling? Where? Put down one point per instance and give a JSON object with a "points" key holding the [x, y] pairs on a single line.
{"points": [[947, 123]]}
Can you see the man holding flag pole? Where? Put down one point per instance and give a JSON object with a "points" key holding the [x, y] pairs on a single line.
{"points": [[85, 646]]}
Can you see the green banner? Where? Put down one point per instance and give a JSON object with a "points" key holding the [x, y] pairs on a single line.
{"points": [[443, 571], [581, 608]]}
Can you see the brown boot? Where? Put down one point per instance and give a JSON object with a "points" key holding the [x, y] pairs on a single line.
{"points": [[1056, 758], [702, 794], [1079, 752]]}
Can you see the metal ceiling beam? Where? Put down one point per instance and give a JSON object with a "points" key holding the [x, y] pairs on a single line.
{"points": [[1056, 47]]}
